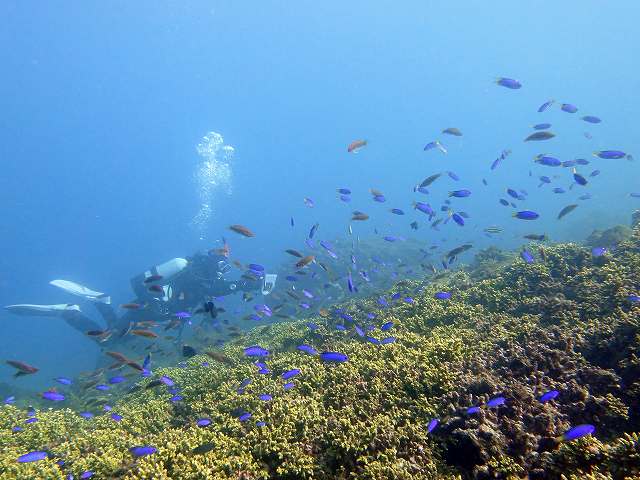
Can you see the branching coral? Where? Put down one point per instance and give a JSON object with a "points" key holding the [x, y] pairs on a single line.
{"points": [[562, 323]]}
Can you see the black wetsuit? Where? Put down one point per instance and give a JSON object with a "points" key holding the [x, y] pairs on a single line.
{"points": [[200, 281]]}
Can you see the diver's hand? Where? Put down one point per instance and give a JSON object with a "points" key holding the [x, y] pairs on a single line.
{"points": [[269, 283]]}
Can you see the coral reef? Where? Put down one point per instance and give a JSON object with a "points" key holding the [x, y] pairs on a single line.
{"points": [[609, 238], [565, 322]]}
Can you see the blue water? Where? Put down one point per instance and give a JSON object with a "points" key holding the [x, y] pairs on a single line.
{"points": [[104, 103]]}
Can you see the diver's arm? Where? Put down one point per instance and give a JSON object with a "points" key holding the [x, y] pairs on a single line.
{"points": [[80, 322]]}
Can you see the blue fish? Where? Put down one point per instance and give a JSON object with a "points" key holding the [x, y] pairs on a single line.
{"points": [[559, 190], [53, 396], [591, 119], [142, 451], [569, 108], [526, 256], [147, 362], [577, 432], [313, 230], [288, 386], [344, 191], [32, 457], [526, 215], [350, 284], [542, 126], [504, 202], [472, 410], [545, 105], [397, 211], [424, 208], [509, 83], [386, 326], [547, 160], [433, 423], [580, 180], [512, 193], [458, 219], [598, 251], [307, 349], [547, 396], [244, 417], [610, 154], [256, 351], [290, 373], [203, 422], [460, 193], [333, 357], [63, 380], [496, 402], [442, 295], [453, 176], [265, 397], [115, 417], [116, 379]]}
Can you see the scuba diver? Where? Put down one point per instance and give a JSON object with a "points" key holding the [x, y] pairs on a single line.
{"points": [[171, 291]]}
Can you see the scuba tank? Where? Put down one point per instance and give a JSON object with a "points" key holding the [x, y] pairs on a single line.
{"points": [[167, 269]]}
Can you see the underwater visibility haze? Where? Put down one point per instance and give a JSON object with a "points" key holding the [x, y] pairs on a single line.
{"points": [[372, 240]]}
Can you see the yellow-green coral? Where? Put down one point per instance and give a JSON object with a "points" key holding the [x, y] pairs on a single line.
{"points": [[530, 327]]}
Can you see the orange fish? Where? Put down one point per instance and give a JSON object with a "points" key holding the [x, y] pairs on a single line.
{"points": [[355, 146], [220, 357], [238, 264], [23, 368], [96, 333], [242, 230], [305, 261], [118, 356], [359, 216], [225, 251], [376, 193], [144, 333], [130, 306], [324, 312]]}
